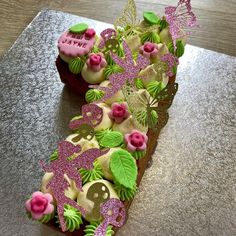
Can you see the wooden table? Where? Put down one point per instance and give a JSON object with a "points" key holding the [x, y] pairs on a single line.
{"points": [[217, 18]]}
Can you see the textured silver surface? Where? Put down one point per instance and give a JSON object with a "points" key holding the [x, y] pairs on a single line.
{"points": [[190, 188]]}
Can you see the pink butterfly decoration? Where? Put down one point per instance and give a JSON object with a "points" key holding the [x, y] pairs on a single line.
{"points": [[106, 35], [131, 71], [180, 18], [61, 166]]}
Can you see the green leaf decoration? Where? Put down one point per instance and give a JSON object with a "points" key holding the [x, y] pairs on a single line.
{"points": [[76, 65], [125, 194], [93, 95], [154, 87], [100, 134], [139, 84], [139, 154], [179, 48], [54, 156], [111, 139], [73, 218], [78, 28], [123, 168], [150, 37], [91, 175], [111, 69], [90, 229], [151, 18]]}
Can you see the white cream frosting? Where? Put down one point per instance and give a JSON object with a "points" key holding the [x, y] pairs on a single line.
{"points": [[84, 143], [106, 122], [92, 77], [116, 97], [104, 161]]}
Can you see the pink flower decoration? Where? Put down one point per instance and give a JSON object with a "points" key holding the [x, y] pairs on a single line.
{"points": [[39, 205], [96, 61], [149, 50], [119, 112], [90, 33], [136, 141]]}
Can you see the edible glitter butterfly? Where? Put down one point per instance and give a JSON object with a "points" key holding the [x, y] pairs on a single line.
{"points": [[180, 19]]}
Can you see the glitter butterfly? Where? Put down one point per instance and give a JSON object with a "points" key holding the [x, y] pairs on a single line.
{"points": [[128, 20], [180, 18], [150, 111]]}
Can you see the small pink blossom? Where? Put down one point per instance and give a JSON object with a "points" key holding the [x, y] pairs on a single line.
{"points": [[149, 50], [90, 33], [96, 61], [119, 112], [39, 205], [136, 141]]}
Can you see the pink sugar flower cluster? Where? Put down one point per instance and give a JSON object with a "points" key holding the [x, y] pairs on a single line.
{"points": [[119, 112], [96, 61], [149, 50], [136, 141], [39, 205]]}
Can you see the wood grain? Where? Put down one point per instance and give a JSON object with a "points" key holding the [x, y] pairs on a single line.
{"points": [[217, 18]]}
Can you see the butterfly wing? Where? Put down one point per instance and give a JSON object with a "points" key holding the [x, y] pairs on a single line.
{"points": [[128, 18]]}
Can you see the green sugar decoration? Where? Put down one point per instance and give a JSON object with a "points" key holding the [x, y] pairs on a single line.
{"points": [[125, 194], [151, 18], [78, 28], [91, 175], [76, 65], [152, 37], [93, 95], [90, 229]]}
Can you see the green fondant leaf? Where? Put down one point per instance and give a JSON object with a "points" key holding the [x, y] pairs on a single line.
{"points": [[151, 18], [123, 168], [78, 28], [111, 139]]}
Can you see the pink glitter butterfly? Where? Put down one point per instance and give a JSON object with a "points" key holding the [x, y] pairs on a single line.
{"points": [[131, 71], [171, 61], [61, 166], [180, 18], [114, 213]]}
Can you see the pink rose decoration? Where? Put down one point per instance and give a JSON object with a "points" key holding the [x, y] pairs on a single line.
{"points": [[40, 205], [96, 61], [136, 141], [149, 50], [90, 33], [119, 112]]}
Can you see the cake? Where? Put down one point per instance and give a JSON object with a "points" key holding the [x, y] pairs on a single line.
{"points": [[127, 75]]}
